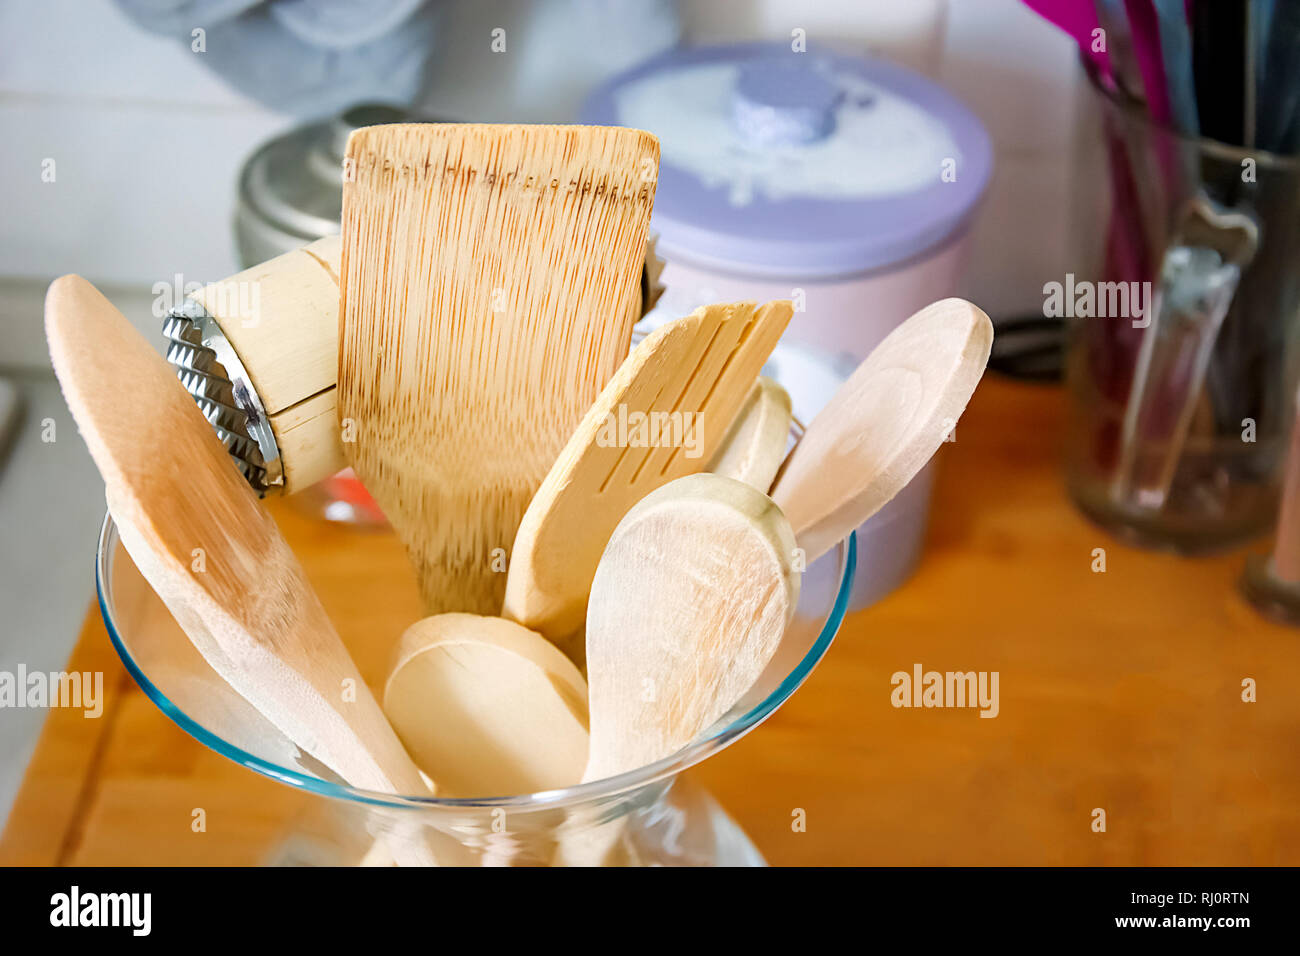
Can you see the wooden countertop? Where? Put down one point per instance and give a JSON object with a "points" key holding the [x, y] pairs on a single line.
{"points": [[1119, 691]]}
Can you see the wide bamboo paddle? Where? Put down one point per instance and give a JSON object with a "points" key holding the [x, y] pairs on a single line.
{"points": [[486, 707], [662, 416], [884, 423], [688, 605], [198, 535], [490, 279], [753, 450]]}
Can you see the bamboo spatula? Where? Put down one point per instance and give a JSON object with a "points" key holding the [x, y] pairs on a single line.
{"points": [[699, 369], [490, 279], [884, 423], [198, 535], [688, 605]]}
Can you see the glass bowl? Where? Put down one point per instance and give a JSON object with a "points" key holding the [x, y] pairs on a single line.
{"points": [[647, 816]]}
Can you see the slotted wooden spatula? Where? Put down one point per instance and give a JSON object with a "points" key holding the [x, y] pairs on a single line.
{"points": [[884, 423], [490, 279], [200, 538], [662, 416], [688, 605]]}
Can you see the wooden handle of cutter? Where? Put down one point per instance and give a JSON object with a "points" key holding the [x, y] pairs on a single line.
{"points": [[282, 318]]}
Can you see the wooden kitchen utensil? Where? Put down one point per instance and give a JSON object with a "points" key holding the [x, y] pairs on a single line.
{"points": [[200, 538], [490, 279], [259, 353], [884, 423], [662, 416], [753, 450], [687, 607], [486, 707]]}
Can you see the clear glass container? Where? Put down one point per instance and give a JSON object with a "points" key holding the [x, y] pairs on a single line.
{"points": [[1180, 379], [647, 817]]}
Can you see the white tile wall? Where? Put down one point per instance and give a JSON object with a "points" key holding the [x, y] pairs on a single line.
{"points": [[146, 144], [911, 32], [141, 191], [89, 50], [1020, 76]]}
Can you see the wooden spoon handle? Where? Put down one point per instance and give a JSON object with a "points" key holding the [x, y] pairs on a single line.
{"points": [[884, 423]]}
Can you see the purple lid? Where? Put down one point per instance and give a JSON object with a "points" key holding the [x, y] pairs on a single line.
{"points": [[812, 164]]}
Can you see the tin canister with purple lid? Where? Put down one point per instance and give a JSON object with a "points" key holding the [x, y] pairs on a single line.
{"points": [[845, 184]]}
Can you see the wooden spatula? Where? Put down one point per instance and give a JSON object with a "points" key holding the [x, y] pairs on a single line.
{"points": [[755, 446], [200, 538], [490, 279], [486, 707], [688, 605], [662, 416], [884, 423]]}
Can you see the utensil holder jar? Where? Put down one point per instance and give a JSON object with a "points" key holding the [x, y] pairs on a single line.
{"points": [[1182, 321], [650, 816]]}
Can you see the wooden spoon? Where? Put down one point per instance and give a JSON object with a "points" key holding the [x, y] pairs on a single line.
{"points": [[688, 605], [753, 450], [486, 707], [662, 416], [200, 538], [490, 279], [884, 423]]}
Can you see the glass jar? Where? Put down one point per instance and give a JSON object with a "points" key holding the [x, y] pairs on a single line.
{"points": [[1181, 316], [646, 817]]}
